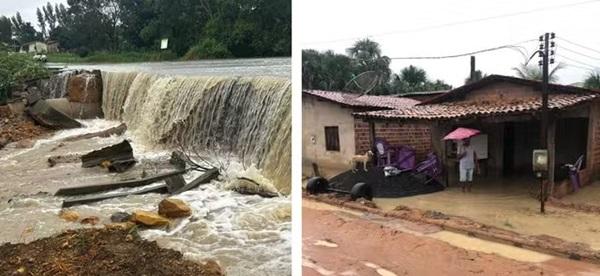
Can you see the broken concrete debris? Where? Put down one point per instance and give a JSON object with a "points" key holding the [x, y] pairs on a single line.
{"points": [[118, 130], [174, 208], [116, 158], [247, 186], [46, 115]]}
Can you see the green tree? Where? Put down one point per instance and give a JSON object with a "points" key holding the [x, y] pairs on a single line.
{"points": [[325, 71], [592, 81], [367, 56], [23, 31], [414, 79], [41, 22], [5, 30]]}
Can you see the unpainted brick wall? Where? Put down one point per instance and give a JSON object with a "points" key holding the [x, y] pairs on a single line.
{"points": [[414, 135], [596, 140]]}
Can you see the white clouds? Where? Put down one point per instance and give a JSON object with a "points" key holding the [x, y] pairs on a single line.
{"points": [[401, 27]]}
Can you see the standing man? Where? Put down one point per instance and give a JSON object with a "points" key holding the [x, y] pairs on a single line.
{"points": [[467, 164]]}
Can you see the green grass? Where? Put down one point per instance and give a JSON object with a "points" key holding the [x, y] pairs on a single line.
{"points": [[106, 57]]}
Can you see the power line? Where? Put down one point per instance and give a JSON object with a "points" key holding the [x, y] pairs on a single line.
{"points": [[577, 44], [510, 46], [437, 26], [579, 67], [579, 53], [577, 61]]}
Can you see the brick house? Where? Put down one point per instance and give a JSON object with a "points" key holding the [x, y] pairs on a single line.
{"points": [[331, 135], [507, 110]]}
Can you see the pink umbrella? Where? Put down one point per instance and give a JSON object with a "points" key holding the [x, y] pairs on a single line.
{"points": [[461, 133]]}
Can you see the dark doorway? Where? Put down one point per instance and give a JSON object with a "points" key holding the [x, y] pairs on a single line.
{"points": [[520, 139], [571, 143]]}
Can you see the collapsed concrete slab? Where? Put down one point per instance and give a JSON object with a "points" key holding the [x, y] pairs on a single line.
{"points": [[116, 158], [44, 114]]}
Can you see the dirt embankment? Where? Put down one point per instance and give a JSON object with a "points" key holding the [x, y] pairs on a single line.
{"points": [[541, 243], [17, 127], [97, 252]]}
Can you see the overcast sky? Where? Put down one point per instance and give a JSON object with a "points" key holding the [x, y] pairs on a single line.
{"points": [[27, 8], [411, 28]]}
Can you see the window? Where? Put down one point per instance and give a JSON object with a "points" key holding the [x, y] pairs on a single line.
{"points": [[332, 138]]}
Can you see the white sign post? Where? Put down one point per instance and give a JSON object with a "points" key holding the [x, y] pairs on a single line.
{"points": [[164, 43]]}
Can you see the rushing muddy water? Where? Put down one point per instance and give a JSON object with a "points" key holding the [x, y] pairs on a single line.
{"points": [[509, 207], [241, 123], [248, 235]]}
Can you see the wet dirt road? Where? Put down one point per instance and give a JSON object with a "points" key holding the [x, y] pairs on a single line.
{"points": [[342, 242]]}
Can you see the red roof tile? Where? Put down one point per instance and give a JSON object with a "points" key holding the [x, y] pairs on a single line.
{"points": [[451, 110], [354, 100]]}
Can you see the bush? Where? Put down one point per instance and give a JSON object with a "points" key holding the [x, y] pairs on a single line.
{"points": [[82, 52], [208, 48], [16, 69]]}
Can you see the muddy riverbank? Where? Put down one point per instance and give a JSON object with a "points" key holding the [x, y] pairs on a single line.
{"points": [[98, 252]]}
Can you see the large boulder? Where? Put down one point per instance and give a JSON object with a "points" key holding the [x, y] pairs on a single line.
{"points": [[149, 218], [85, 88], [174, 208]]}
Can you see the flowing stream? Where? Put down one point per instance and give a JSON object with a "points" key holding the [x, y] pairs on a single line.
{"points": [[244, 122]]}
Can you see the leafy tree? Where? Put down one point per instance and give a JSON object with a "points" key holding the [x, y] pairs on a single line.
{"points": [[592, 81], [23, 31], [326, 71], [414, 79], [41, 22], [5, 30], [208, 48]]}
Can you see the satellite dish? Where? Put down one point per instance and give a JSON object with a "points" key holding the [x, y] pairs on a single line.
{"points": [[363, 82]]}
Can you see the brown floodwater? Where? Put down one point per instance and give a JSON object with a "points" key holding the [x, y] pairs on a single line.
{"points": [[507, 206]]}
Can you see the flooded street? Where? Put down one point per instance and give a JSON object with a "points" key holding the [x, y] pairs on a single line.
{"points": [[339, 241], [508, 208]]}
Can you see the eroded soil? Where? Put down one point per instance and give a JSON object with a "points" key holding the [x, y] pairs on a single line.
{"points": [[97, 252]]}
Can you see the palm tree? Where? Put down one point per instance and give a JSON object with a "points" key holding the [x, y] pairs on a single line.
{"points": [[592, 81], [532, 72], [367, 55]]}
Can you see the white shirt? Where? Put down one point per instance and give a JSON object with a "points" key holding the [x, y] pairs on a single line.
{"points": [[468, 161]]}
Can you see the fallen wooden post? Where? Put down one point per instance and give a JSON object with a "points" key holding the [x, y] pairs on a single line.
{"points": [[118, 130], [45, 115], [94, 198], [203, 179], [116, 185]]}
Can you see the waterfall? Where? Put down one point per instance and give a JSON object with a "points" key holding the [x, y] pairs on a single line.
{"points": [[56, 85], [247, 116]]}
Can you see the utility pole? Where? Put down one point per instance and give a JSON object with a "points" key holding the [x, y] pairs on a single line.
{"points": [[545, 53]]}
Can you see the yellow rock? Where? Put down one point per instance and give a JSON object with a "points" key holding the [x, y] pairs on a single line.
{"points": [[174, 208], [149, 218], [69, 215]]}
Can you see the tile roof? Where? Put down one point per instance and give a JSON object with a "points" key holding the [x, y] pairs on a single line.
{"points": [[467, 88], [452, 110], [354, 100]]}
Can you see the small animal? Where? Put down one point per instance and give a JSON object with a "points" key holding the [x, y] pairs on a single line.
{"points": [[361, 158]]}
